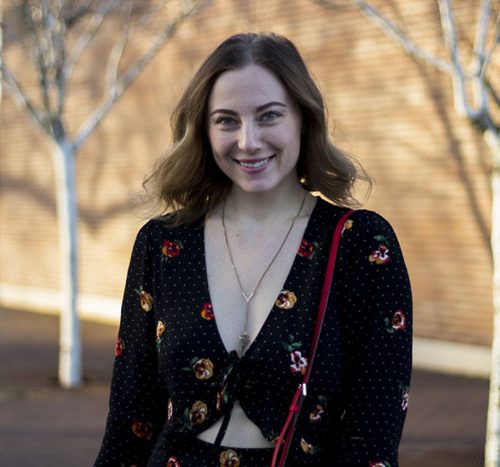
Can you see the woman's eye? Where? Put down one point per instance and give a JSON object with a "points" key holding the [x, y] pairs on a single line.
{"points": [[270, 116], [225, 121]]}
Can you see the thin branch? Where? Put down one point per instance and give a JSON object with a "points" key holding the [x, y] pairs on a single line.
{"points": [[131, 74], [111, 75], [400, 37], [457, 74], [16, 92], [480, 57]]}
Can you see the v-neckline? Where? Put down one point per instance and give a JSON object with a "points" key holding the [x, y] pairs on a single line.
{"points": [[284, 286]]}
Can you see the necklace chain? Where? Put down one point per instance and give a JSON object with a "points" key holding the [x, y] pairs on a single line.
{"points": [[244, 338]]}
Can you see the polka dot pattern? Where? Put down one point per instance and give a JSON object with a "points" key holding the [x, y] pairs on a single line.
{"points": [[173, 376]]}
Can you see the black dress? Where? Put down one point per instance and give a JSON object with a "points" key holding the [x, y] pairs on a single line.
{"points": [[173, 377]]}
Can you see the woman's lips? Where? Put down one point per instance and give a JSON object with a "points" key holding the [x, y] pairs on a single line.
{"points": [[254, 165]]}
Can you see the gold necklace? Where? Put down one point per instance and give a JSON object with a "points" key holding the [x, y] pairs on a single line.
{"points": [[244, 337]]}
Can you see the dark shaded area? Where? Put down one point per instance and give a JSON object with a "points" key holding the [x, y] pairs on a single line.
{"points": [[43, 425]]}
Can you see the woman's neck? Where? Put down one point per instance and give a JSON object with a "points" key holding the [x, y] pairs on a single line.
{"points": [[258, 207]]}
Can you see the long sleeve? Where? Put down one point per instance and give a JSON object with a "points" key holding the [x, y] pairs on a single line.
{"points": [[377, 330], [136, 407]]}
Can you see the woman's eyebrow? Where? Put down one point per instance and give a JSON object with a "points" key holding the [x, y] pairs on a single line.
{"points": [[259, 109]]}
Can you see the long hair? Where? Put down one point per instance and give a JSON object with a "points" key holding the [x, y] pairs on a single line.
{"points": [[188, 177]]}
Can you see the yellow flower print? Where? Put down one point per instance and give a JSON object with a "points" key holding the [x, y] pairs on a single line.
{"points": [[160, 329], [203, 369], [306, 447], [145, 299], [347, 225], [229, 458], [198, 413], [286, 300]]}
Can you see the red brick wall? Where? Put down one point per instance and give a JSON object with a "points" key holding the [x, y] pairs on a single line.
{"points": [[431, 168]]}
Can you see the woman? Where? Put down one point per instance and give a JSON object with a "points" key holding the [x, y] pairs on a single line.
{"points": [[221, 295]]}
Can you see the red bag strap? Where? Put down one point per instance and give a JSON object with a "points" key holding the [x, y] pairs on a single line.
{"points": [[285, 437]]}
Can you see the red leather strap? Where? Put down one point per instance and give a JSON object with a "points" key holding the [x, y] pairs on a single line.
{"points": [[285, 437]]}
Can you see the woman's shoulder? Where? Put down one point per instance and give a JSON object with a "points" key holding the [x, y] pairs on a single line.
{"points": [[165, 226], [365, 217]]}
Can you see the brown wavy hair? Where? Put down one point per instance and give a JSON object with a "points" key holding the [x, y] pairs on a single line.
{"points": [[188, 179]]}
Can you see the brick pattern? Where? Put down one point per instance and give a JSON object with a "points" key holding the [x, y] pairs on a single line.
{"points": [[431, 168]]}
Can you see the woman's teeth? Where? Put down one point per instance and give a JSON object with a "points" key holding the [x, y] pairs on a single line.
{"points": [[254, 165]]}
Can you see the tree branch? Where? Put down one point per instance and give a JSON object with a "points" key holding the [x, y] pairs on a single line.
{"points": [[132, 73], [16, 92], [457, 72], [86, 37], [395, 33]]}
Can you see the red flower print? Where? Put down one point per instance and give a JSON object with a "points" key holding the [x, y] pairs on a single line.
{"points": [[229, 458], [207, 312], [119, 347], [142, 429], [299, 363], [396, 323], [380, 256], [316, 414], [173, 462], [307, 249], [221, 395], [171, 248], [198, 413], [286, 300]]}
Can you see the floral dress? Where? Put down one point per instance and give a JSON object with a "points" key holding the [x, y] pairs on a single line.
{"points": [[173, 376]]}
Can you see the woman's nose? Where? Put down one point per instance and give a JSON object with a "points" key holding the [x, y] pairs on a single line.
{"points": [[249, 138]]}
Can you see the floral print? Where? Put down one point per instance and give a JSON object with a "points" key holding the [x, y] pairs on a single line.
{"points": [[119, 347], [173, 273], [316, 414], [405, 391], [307, 249], [171, 249], [207, 312], [306, 447], [173, 462], [396, 323], [202, 368], [379, 464], [160, 329], [170, 409], [142, 429], [299, 363], [286, 300], [229, 458], [198, 413], [145, 299], [347, 226], [381, 254]]}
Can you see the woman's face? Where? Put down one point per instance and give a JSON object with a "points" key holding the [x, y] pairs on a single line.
{"points": [[254, 129]]}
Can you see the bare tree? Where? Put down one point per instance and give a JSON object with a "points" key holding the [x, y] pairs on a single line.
{"points": [[475, 99], [57, 33]]}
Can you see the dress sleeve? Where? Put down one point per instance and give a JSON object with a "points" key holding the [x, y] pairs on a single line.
{"points": [[377, 320], [136, 405]]}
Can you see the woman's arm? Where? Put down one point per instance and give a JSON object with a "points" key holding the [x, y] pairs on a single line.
{"points": [[378, 328], [136, 408]]}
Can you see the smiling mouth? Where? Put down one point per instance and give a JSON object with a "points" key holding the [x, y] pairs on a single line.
{"points": [[255, 164]]}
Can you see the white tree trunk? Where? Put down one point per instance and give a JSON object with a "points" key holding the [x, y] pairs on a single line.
{"points": [[69, 336], [492, 450]]}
